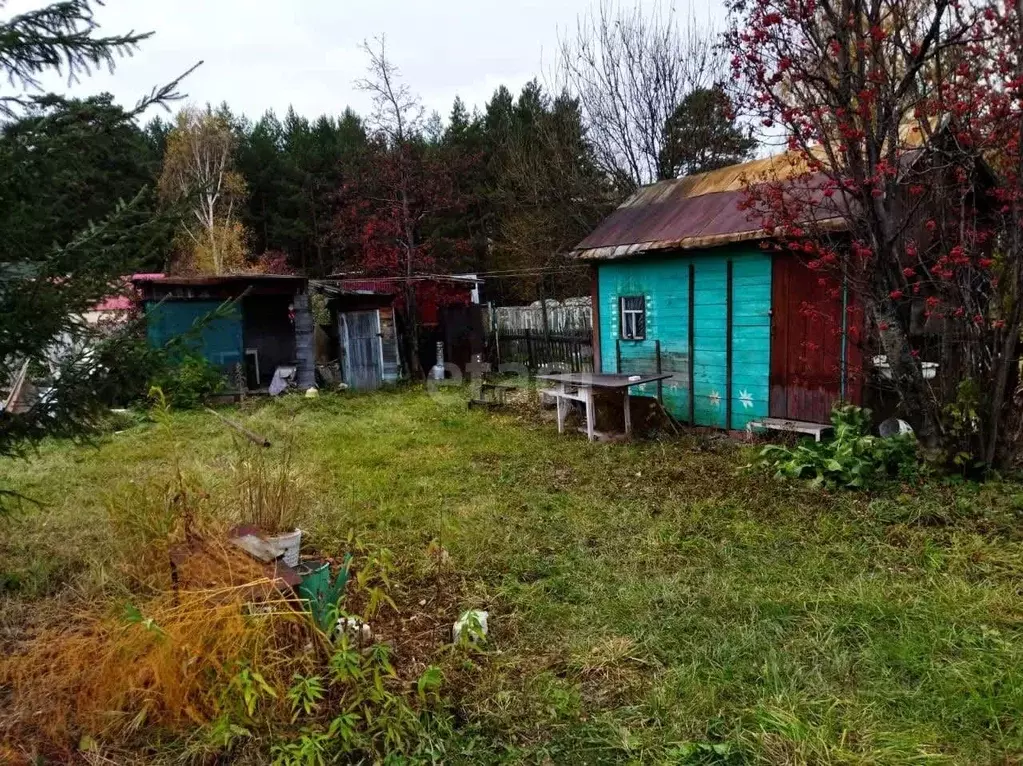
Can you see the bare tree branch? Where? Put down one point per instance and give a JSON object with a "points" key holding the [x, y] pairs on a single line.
{"points": [[630, 72]]}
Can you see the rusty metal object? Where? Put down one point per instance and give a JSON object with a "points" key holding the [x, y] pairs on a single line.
{"points": [[705, 210]]}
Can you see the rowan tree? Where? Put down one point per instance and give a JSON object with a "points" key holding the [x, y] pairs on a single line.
{"points": [[901, 184]]}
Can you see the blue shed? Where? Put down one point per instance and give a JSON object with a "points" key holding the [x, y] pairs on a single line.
{"points": [[681, 285], [265, 324]]}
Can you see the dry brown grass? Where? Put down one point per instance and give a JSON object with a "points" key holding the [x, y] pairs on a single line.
{"points": [[182, 612], [165, 663], [270, 493]]}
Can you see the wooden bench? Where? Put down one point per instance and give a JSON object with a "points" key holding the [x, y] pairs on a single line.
{"points": [[816, 430]]}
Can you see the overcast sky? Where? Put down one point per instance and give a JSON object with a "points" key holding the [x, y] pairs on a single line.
{"points": [[262, 54]]}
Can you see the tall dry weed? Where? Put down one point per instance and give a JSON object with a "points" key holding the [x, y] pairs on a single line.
{"points": [[167, 662]]}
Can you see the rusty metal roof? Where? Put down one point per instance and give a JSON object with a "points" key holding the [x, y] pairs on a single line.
{"points": [[216, 280], [704, 210]]}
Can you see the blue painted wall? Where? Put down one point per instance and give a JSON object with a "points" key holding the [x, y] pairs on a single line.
{"points": [[664, 282], [219, 341]]}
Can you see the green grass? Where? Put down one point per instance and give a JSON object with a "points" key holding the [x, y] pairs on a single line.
{"points": [[654, 602]]}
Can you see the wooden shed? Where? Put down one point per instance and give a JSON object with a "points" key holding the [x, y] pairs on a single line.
{"points": [[683, 285], [267, 324], [367, 345]]}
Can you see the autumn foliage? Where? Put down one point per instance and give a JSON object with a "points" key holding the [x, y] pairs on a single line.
{"points": [[901, 184]]}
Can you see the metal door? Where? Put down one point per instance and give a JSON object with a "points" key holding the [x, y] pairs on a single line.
{"points": [[364, 362]]}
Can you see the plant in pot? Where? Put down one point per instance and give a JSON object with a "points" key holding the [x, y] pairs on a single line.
{"points": [[271, 497]]}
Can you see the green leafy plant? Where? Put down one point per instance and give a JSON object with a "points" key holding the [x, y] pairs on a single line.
{"points": [[346, 662], [429, 683], [961, 421], [187, 381], [252, 688], [374, 579], [305, 694], [311, 748], [220, 736], [853, 459]]}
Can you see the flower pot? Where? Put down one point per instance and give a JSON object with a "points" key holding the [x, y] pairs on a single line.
{"points": [[290, 543]]}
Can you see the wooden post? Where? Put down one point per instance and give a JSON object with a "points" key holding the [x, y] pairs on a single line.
{"points": [[692, 344], [660, 383], [729, 299], [495, 331], [595, 317]]}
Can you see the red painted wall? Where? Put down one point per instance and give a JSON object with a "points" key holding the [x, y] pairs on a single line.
{"points": [[431, 295], [806, 344]]}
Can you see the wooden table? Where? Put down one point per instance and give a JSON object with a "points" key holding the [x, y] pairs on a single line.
{"points": [[580, 387]]}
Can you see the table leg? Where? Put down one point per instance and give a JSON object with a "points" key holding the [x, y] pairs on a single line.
{"points": [[628, 414], [561, 411], [590, 415]]}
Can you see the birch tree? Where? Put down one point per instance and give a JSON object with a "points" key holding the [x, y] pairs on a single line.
{"points": [[199, 166]]}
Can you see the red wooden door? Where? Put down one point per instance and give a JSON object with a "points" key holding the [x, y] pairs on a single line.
{"points": [[806, 344]]}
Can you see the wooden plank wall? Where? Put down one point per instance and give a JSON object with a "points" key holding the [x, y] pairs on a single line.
{"points": [[730, 331], [806, 357]]}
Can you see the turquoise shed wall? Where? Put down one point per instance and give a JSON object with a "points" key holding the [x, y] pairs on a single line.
{"points": [[220, 341], [664, 282], [751, 338]]}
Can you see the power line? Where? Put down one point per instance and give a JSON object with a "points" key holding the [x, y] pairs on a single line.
{"points": [[494, 274]]}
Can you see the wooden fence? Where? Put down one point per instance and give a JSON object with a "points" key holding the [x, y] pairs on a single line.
{"points": [[571, 317], [553, 352]]}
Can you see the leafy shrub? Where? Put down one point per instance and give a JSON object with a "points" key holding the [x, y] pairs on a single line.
{"points": [[188, 381], [853, 459], [963, 442]]}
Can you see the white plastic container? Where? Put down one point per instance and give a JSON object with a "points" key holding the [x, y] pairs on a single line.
{"points": [[291, 544]]}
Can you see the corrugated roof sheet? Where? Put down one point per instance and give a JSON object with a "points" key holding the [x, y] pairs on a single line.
{"points": [[703, 210], [696, 211], [217, 280]]}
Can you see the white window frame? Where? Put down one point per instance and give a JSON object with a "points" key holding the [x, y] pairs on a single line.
{"points": [[628, 318]]}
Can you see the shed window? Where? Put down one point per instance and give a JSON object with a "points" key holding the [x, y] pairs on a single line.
{"points": [[633, 316]]}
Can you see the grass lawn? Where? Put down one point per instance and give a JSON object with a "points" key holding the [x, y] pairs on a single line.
{"points": [[650, 603]]}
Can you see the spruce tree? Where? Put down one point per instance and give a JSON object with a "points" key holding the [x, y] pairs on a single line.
{"points": [[55, 269]]}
